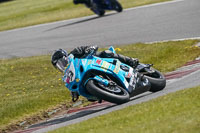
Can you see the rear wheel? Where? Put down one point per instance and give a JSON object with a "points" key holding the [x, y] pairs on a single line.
{"points": [[157, 80], [100, 12], [114, 94]]}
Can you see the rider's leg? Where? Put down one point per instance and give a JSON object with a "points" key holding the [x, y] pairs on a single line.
{"points": [[133, 62], [127, 60]]}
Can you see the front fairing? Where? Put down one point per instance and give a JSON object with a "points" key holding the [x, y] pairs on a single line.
{"points": [[71, 75]]}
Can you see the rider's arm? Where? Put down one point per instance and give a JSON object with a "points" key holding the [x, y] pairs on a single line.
{"points": [[79, 52]]}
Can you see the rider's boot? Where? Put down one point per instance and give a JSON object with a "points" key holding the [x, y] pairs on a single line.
{"points": [[75, 96]]}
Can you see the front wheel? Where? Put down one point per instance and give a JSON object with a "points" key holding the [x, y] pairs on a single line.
{"points": [[112, 94], [118, 7], [157, 80]]}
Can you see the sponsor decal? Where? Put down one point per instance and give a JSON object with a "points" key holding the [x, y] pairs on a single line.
{"points": [[69, 77], [126, 83], [69, 74], [78, 63], [105, 65], [117, 67], [83, 62], [98, 61], [130, 73], [133, 81], [77, 80], [89, 62]]}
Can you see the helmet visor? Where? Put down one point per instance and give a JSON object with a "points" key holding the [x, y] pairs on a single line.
{"points": [[62, 64]]}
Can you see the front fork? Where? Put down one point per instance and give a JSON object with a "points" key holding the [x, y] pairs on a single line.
{"points": [[102, 81]]}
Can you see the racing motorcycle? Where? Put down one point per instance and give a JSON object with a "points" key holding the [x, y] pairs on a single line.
{"points": [[109, 79], [99, 6]]}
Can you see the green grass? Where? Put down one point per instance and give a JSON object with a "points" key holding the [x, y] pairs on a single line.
{"points": [[174, 113], [31, 85], [21, 13], [165, 56], [27, 86]]}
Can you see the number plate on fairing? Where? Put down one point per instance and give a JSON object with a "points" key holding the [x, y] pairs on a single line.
{"points": [[69, 74]]}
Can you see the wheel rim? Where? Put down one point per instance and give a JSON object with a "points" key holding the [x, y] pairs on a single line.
{"points": [[112, 89], [154, 74]]}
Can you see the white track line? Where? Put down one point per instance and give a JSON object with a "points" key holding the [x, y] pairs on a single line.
{"points": [[182, 39], [155, 4]]}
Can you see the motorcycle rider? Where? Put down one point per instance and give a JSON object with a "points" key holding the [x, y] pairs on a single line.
{"points": [[60, 56], [59, 59]]}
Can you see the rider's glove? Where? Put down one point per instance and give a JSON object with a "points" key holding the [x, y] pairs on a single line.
{"points": [[134, 62], [91, 49]]}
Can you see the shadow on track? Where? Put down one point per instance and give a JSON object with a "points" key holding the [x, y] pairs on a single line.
{"points": [[140, 96], [78, 22], [79, 114], [68, 118]]}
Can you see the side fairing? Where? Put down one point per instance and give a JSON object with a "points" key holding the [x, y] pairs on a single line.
{"points": [[78, 68], [106, 65]]}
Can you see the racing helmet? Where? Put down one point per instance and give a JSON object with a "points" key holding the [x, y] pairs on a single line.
{"points": [[59, 59]]}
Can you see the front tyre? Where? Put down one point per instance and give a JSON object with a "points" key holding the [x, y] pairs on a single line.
{"points": [[117, 6], [157, 80], [116, 95]]}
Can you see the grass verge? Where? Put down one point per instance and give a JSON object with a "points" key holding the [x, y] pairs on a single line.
{"points": [[21, 13], [29, 86], [174, 113]]}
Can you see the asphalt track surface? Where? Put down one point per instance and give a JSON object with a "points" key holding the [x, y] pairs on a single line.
{"points": [[170, 20]]}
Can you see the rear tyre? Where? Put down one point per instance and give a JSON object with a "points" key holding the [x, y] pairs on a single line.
{"points": [[101, 13], [98, 11], [157, 80], [116, 95]]}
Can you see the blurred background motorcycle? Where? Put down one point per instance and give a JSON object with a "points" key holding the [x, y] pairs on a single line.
{"points": [[100, 6]]}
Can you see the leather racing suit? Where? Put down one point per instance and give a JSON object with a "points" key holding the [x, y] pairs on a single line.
{"points": [[82, 51]]}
